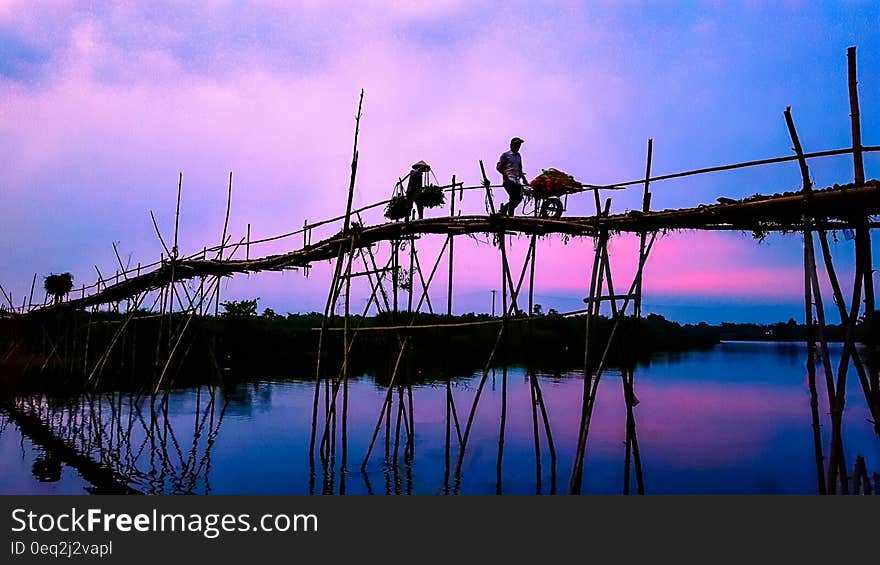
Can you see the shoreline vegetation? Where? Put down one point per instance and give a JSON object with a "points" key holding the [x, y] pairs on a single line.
{"points": [[86, 351]]}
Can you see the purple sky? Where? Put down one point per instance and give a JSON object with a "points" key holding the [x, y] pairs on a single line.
{"points": [[103, 105]]}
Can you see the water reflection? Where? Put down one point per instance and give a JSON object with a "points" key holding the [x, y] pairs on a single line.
{"points": [[126, 442], [738, 419]]}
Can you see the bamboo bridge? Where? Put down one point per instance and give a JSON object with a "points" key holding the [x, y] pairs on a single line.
{"points": [[809, 213]]}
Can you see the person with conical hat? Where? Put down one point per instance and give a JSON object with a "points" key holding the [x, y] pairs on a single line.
{"points": [[415, 185]]}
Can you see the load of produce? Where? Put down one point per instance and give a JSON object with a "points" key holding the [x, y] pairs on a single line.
{"points": [[554, 182]]}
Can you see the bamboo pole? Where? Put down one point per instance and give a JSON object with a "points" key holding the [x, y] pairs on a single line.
{"points": [[331, 300], [345, 362], [863, 237], [505, 274], [646, 204], [575, 483], [372, 257], [858, 164], [395, 249], [354, 160], [327, 309], [223, 243], [177, 215], [225, 218], [487, 186], [346, 337], [31, 295], [451, 253], [590, 398], [418, 269]]}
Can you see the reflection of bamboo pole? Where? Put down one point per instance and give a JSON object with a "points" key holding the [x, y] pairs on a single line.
{"points": [[811, 373], [446, 445], [535, 433], [848, 322], [632, 442], [472, 412], [503, 425], [539, 397], [400, 410], [385, 404]]}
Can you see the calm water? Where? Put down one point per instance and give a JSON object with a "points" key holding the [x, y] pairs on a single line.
{"points": [[735, 419]]}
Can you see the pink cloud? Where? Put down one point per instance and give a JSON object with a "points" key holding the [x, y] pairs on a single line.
{"points": [[709, 265]]}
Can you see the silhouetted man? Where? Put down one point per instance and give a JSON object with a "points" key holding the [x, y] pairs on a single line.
{"points": [[510, 167]]}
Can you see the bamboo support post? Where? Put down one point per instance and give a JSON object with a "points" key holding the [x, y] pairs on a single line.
{"points": [[487, 185], [836, 398], [575, 483], [31, 295], [593, 383], [646, 205], [174, 249], [451, 239], [863, 238]]}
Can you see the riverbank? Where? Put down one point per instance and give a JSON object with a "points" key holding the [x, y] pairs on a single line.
{"points": [[109, 351]]}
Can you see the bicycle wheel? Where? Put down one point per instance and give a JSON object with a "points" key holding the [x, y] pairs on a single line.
{"points": [[551, 208]]}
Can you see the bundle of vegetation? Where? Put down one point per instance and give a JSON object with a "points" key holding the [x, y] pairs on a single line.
{"points": [[58, 285], [240, 309], [431, 196], [554, 182], [398, 208]]}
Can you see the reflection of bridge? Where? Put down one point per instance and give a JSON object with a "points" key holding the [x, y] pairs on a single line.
{"points": [[808, 212], [124, 443]]}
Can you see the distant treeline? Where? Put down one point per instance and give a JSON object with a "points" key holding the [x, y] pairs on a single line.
{"points": [[866, 331], [84, 350]]}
